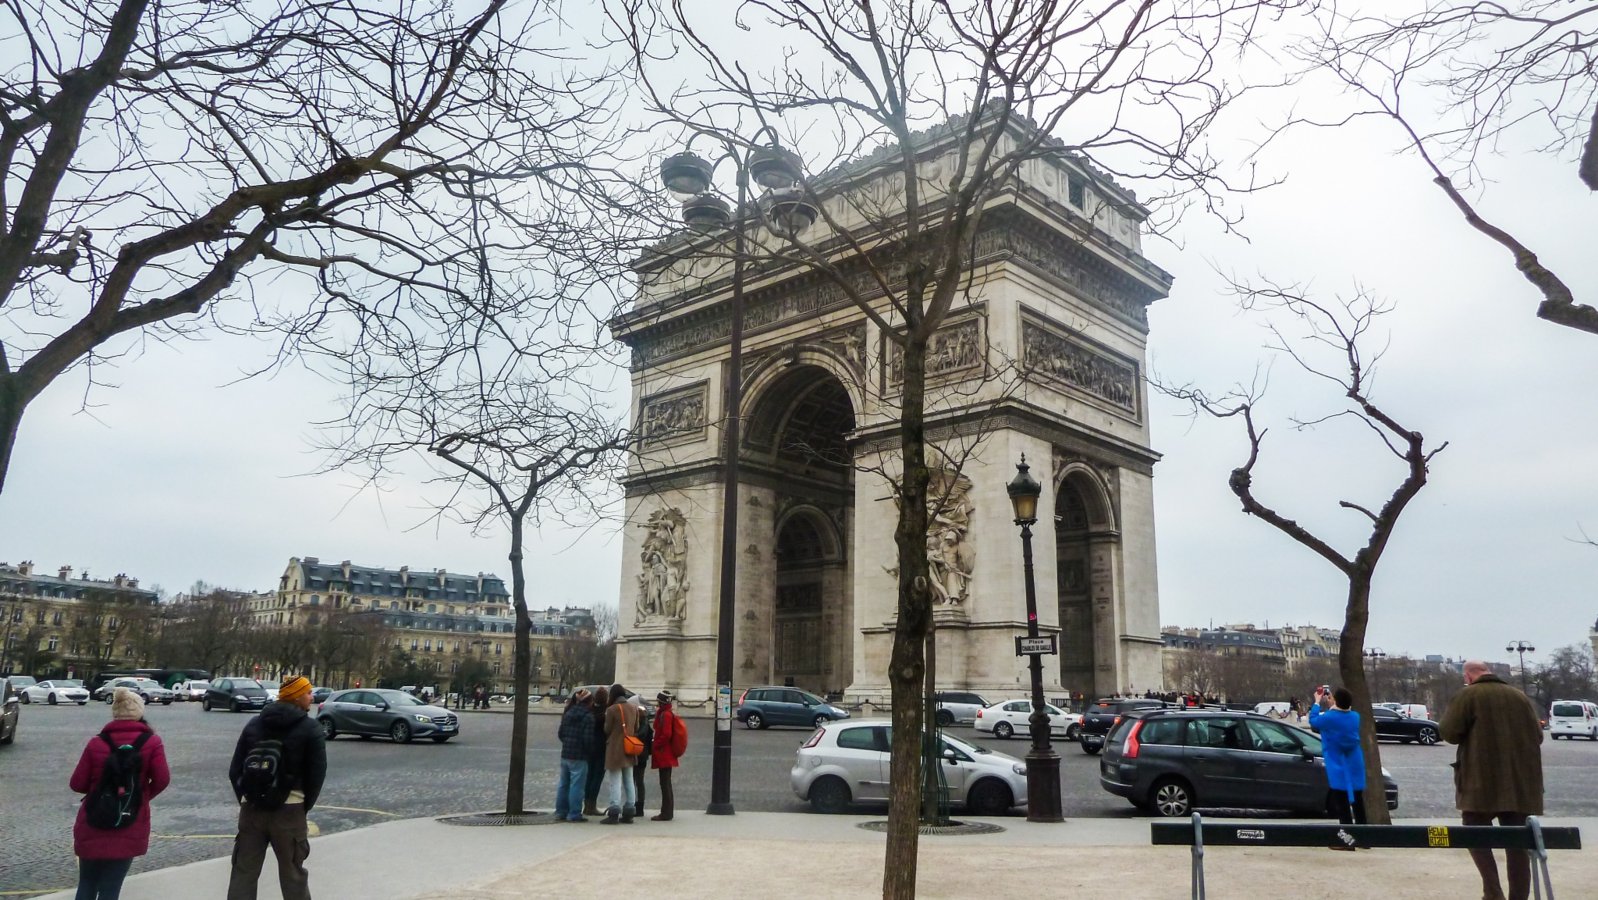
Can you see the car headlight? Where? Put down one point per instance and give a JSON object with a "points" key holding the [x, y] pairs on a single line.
{"points": [[420, 718], [1019, 768]]}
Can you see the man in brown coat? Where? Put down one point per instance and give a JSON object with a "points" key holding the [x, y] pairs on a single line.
{"points": [[1498, 769]]}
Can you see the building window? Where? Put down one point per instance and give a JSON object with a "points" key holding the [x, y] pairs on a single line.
{"points": [[55, 644], [499, 650], [1077, 188], [38, 618], [413, 643], [316, 599], [112, 623], [55, 618]]}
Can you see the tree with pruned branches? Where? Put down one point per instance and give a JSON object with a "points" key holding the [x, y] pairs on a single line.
{"points": [[1341, 331], [1126, 86]]}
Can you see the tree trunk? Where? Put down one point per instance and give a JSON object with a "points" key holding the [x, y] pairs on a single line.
{"points": [[521, 671], [1351, 666], [907, 663]]}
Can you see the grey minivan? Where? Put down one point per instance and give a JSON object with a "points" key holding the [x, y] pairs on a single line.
{"points": [[1169, 761], [763, 707]]}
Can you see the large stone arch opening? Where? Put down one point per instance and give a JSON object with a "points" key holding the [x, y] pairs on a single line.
{"points": [[1085, 542], [796, 447]]}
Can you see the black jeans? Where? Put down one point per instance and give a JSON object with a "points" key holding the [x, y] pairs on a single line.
{"points": [[1345, 814], [101, 879]]}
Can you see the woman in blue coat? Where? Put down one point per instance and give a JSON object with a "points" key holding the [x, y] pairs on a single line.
{"points": [[1345, 760]]}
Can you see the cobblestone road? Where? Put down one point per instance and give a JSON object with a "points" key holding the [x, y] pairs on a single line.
{"points": [[369, 781]]}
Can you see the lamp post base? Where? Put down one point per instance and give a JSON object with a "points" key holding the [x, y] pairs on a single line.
{"points": [[719, 809], [1043, 787]]}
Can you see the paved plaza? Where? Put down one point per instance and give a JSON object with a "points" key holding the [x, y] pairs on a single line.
{"points": [[372, 783]]}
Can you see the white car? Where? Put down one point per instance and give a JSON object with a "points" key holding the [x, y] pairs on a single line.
{"points": [[60, 690], [847, 762], [191, 690], [149, 690], [1571, 719], [1011, 717], [271, 688]]}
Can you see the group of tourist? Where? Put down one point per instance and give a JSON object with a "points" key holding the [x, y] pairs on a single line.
{"points": [[607, 742]]}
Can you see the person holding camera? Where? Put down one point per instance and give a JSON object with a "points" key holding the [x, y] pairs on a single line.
{"points": [[1333, 717]]}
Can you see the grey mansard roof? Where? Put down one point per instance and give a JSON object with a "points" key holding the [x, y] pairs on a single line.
{"points": [[380, 582]]}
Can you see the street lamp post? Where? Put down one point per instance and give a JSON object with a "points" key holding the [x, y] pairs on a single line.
{"points": [[1042, 763], [1376, 655], [786, 211], [1522, 648]]}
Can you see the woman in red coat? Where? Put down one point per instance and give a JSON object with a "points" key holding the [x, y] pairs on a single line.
{"points": [[105, 855], [671, 741]]}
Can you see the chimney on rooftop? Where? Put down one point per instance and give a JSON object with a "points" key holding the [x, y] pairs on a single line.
{"points": [[66, 572], [26, 568], [121, 579]]}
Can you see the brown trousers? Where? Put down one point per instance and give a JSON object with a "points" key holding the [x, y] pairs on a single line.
{"points": [[283, 829], [1517, 862]]}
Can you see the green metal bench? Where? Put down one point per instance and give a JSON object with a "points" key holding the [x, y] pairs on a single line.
{"points": [[1532, 837]]}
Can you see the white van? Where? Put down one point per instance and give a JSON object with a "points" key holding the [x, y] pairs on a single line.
{"points": [[1571, 719]]}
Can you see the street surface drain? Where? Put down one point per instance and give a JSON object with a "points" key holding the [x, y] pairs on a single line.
{"points": [[953, 828], [499, 818]]}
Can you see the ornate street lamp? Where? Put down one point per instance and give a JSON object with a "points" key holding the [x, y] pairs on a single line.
{"points": [[787, 211], [1042, 763], [1522, 648], [1376, 655]]}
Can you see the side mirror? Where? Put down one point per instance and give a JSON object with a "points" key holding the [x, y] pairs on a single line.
{"points": [[383, 705], [948, 754], [1305, 752]]}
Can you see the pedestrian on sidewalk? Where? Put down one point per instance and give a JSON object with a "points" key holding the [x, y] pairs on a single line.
{"points": [[1345, 758], [671, 742], [1498, 768], [277, 772], [621, 725], [576, 745], [645, 733], [596, 760], [113, 823]]}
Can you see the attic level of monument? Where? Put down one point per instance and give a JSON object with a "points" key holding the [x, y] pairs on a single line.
{"points": [[683, 324]]}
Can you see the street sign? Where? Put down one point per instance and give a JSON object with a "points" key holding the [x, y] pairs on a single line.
{"points": [[1035, 646]]}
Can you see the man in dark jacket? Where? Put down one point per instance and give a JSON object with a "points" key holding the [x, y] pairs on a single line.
{"points": [[576, 746], [1498, 769], [272, 809]]}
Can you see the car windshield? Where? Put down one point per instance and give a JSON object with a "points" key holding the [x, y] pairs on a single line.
{"points": [[246, 683], [399, 698], [271, 685], [962, 745], [812, 699], [197, 685], [67, 682]]}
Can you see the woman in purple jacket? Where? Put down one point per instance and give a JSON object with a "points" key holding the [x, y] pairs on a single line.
{"points": [[1345, 760], [106, 855]]}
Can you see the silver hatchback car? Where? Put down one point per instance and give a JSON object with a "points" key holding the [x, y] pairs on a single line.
{"points": [[396, 714], [848, 762]]}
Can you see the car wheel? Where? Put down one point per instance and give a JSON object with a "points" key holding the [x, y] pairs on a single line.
{"points": [[822, 720], [1003, 731], [440, 738], [23, 698], [1428, 736], [235, 705], [205, 704], [1092, 749], [1593, 736], [989, 797], [945, 718], [829, 795], [50, 700], [328, 731], [167, 702], [1073, 732], [1171, 798], [754, 722], [83, 703], [400, 732]]}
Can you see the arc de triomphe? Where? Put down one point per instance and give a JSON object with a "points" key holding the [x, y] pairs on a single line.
{"points": [[1043, 355]]}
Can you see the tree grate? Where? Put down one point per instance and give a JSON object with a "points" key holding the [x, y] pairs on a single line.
{"points": [[491, 819], [954, 828]]}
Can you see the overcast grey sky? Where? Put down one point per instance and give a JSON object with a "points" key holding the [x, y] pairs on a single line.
{"points": [[173, 477]]}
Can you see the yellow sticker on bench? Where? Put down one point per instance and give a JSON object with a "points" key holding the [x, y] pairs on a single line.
{"points": [[1437, 835]]}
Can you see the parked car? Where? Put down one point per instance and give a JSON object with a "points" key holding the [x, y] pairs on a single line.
{"points": [[1570, 719], [271, 688], [149, 691], [54, 691], [848, 762], [10, 711], [1391, 726], [191, 690], [1106, 714], [20, 683], [397, 714], [236, 694], [1012, 717], [1168, 762], [959, 707], [763, 707]]}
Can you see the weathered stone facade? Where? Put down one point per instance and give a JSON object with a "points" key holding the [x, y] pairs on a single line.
{"points": [[1042, 355]]}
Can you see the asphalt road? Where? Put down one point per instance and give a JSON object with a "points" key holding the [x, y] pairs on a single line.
{"points": [[370, 781]]}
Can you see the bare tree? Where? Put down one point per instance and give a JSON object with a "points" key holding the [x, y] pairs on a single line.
{"points": [[328, 170], [1340, 329], [1503, 70], [992, 84]]}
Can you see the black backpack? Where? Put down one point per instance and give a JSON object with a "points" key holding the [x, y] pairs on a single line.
{"points": [[266, 781], [114, 802]]}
